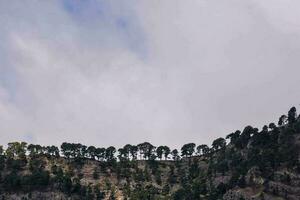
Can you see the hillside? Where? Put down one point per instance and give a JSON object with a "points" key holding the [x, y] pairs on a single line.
{"points": [[251, 164]]}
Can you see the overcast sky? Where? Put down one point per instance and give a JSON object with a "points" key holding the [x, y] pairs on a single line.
{"points": [[168, 72]]}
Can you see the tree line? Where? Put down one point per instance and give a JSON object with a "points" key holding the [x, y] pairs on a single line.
{"points": [[142, 151], [268, 149], [145, 150]]}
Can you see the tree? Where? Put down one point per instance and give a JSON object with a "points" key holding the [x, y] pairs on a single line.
{"points": [[246, 135], [187, 150], [16, 150], [261, 138], [133, 152], [100, 153], [52, 151], [272, 126], [234, 137], [163, 151], [91, 152], [2, 160], [66, 149], [282, 120], [127, 149], [219, 143], [167, 152], [82, 151], [146, 150], [202, 149], [292, 115], [110, 153], [34, 150], [175, 155], [160, 151], [122, 154], [73, 150]]}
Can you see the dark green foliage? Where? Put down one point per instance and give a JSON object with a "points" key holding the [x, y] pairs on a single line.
{"points": [[2, 162], [282, 120], [12, 181], [110, 154], [188, 150], [180, 194], [148, 193], [100, 154], [292, 115], [175, 155], [15, 164], [37, 180], [203, 150], [218, 144], [265, 151], [146, 150], [234, 138], [91, 152]]}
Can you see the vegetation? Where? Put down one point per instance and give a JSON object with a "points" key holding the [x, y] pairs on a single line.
{"points": [[144, 171]]}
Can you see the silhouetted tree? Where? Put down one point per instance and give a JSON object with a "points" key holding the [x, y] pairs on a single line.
{"points": [[202, 149], [282, 120], [91, 152], [175, 155], [34, 150], [246, 135], [187, 150], [146, 150], [218, 144], [292, 115], [167, 152], [272, 126], [133, 152], [160, 151], [163, 151], [66, 149], [127, 150], [53, 150], [122, 154], [110, 153], [16, 150], [100, 154], [82, 151], [234, 137]]}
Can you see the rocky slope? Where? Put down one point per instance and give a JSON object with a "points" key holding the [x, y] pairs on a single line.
{"points": [[252, 165]]}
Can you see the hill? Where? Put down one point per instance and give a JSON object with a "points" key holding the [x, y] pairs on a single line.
{"points": [[251, 164]]}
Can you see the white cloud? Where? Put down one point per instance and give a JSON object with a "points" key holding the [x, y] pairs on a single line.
{"points": [[205, 68]]}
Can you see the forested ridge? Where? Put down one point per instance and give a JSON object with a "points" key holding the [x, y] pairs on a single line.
{"points": [[248, 164]]}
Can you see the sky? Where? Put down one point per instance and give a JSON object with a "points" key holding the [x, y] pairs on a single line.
{"points": [[169, 72]]}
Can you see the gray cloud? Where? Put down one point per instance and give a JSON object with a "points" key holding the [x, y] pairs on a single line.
{"points": [[164, 71]]}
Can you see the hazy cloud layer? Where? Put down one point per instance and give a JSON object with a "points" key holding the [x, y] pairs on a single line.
{"points": [[170, 72]]}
